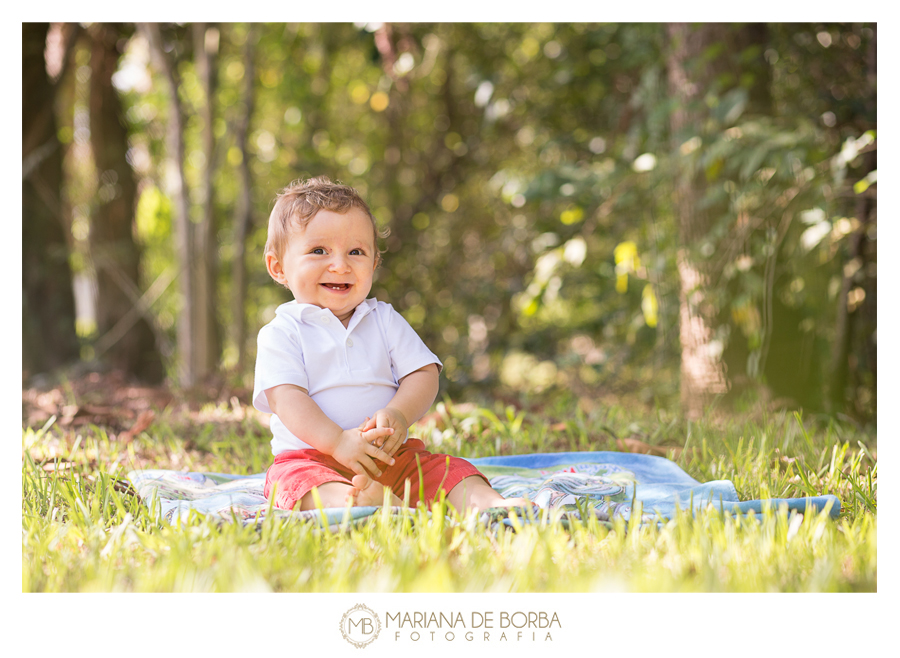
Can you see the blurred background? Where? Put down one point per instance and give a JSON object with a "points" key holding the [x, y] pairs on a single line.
{"points": [[672, 214]]}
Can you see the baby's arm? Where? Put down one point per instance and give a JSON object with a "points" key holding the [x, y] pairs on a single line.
{"points": [[354, 448], [413, 398]]}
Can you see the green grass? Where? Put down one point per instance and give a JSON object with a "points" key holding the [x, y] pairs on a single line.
{"points": [[83, 531]]}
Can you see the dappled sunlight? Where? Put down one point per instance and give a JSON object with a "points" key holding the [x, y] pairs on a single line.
{"points": [[702, 372], [548, 191]]}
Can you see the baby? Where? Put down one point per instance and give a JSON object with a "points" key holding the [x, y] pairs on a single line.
{"points": [[345, 376]]}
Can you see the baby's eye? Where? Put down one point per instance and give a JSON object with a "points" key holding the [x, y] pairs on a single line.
{"points": [[357, 252], [318, 250]]}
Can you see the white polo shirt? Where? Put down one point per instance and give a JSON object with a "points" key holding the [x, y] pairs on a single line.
{"points": [[349, 372]]}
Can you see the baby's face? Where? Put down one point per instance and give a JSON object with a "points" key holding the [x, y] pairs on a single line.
{"points": [[331, 262]]}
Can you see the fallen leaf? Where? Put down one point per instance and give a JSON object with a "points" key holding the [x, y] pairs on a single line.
{"points": [[144, 420], [50, 467]]}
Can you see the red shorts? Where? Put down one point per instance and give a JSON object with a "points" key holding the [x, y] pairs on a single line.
{"points": [[298, 471]]}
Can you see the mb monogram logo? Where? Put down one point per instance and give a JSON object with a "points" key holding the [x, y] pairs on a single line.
{"points": [[360, 626]]}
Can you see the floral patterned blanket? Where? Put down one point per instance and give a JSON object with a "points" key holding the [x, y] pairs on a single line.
{"points": [[603, 484]]}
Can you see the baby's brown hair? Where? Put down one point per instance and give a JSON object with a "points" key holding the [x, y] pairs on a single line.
{"points": [[299, 202]]}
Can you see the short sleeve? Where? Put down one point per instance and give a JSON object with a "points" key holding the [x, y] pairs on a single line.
{"points": [[279, 360], [407, 350]]}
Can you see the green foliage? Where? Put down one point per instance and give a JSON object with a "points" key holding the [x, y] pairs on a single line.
{"points": [[510, 161], [773, 285]]}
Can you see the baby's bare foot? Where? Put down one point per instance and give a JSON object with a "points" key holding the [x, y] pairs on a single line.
{"points": [[513, 502], [366, 492]]}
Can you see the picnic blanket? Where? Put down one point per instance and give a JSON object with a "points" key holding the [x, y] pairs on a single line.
{"points": [[606, 485]]}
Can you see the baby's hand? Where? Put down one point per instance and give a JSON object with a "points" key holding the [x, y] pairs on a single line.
{"points": [[358, 448], [389, 417]]}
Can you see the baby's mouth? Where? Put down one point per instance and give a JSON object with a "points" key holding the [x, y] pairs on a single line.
{"points": [[336, 286]]}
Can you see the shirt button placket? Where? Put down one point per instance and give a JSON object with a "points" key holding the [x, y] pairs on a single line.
{"points": [[347, 345]]}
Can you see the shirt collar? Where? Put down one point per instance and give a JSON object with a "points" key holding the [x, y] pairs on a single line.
{"points": [[308, 312], [365, 307]]}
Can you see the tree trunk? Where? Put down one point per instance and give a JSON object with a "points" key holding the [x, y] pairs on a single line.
{"points": [[114, 252], [206, 339], [243, 217], [690, 77], [855, 263], [399, 226], [844, 330], [177, 190], [48, 303], [702, 371]]}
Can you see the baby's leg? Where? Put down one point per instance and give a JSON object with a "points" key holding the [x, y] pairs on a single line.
{"points": [[364, 492], [473, 491]]}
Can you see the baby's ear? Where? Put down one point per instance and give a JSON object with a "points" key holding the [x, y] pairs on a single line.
{"points": [[274, 268]]}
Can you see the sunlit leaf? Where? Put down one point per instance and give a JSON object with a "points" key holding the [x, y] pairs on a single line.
{"points": [[649, 306], [814, 235], [862, 185], [571, 215], [625, 252], [644, 162]]}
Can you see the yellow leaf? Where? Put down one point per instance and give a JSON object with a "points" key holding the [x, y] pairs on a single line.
{"points": [[572, 215], [649, 306], [625, 251]]}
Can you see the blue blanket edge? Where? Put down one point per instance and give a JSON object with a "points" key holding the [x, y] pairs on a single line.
{"points": [[627, 460]]}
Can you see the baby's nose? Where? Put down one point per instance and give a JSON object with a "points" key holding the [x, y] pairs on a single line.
{"points": [[339, 263]]}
